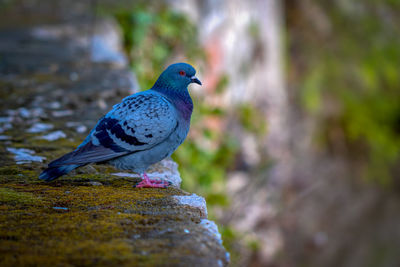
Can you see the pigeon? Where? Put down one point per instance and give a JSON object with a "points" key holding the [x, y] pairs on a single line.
{"points": [[143, 129]]}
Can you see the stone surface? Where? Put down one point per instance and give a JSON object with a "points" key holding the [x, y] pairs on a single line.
{"points": [[193, 201], [53, 88]]}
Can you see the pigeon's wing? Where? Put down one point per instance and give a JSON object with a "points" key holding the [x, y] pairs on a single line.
{"points": [[138, 123], [86, 154]]}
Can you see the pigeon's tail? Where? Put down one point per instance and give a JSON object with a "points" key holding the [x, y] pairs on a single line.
{"points": [[52, 173]]}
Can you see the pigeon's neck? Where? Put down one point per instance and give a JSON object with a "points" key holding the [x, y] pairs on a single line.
{"points": [[180, 97]]}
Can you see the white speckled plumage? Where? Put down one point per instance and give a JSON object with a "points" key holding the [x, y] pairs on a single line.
{"points": [[147, 116]]}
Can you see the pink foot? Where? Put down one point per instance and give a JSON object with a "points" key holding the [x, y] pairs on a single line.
{"points": [[150, 183]]}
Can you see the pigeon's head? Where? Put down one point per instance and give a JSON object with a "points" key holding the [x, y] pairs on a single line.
{"points": [[177, 76]]}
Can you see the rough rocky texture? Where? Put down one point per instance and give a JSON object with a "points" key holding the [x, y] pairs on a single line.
{"points": [[53, 88], [84, 222]]}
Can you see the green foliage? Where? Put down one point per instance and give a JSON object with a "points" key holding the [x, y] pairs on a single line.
{"points": [[252, 119], [153, 33], [231, 237], [353, 80]]}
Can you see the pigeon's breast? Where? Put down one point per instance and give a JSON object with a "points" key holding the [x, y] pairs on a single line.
{"points": [[185, 109]]}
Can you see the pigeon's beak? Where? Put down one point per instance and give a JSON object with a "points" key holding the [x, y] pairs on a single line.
{"points": [[195, 80]]}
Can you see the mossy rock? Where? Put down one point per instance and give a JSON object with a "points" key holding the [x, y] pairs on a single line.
{"points": [[116, 224]]}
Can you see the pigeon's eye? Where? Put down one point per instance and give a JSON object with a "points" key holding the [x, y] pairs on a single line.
{"points": [[182, 73]]}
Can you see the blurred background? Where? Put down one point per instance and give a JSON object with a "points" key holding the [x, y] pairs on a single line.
{"points": [[295, 135]]}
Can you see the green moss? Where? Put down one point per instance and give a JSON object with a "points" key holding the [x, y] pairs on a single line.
{"points": [[98, 225], [9, 170], [19, 173], [12, 197]]}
